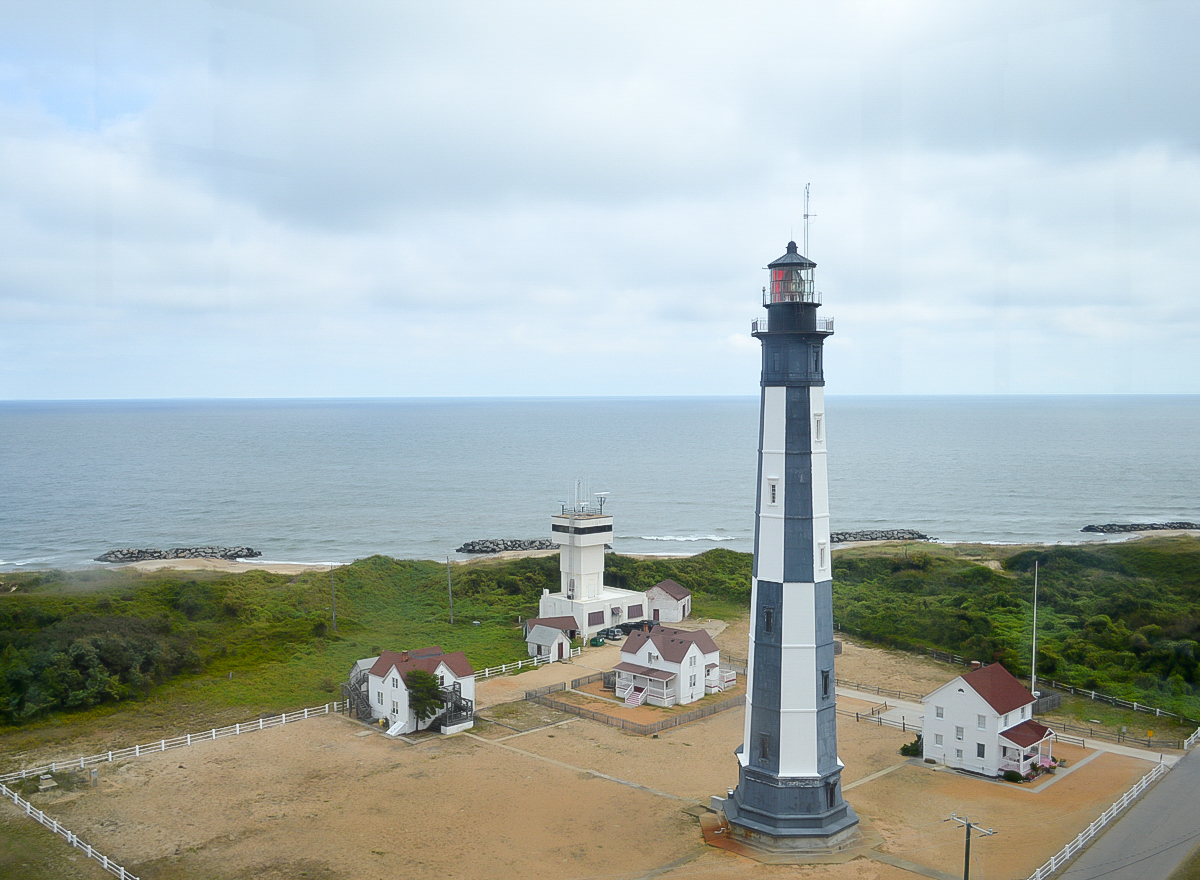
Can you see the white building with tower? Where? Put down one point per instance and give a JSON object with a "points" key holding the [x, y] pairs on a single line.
{"points": [[582, 530]]}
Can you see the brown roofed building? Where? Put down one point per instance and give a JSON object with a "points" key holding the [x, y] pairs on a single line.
{"points": [[665, 667], [983, 722], [379, 685], [669, 602]]}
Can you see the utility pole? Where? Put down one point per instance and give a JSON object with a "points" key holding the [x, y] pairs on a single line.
{"points": [[450, 590], [1033, 662], [966, 822], [333, 594]]}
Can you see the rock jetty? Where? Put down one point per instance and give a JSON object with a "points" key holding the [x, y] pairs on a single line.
{"points": [[1117, 528], [130, 555], [875, 535], [498, 545]]}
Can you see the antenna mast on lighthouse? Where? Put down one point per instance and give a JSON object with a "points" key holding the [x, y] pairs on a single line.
{"points": [[806, 216]]}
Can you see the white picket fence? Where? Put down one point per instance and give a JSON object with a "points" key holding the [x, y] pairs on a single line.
{"points": [[1191, 740], [1072, 849], [520, 664], [71, 838], [175, 742]]}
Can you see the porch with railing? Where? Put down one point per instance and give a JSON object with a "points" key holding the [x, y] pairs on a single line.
{"points": [[638, 689], [718, 680]]}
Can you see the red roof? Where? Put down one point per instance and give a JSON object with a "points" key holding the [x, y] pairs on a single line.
{"points": [[672, 644], [672, 589], [1026, 733], [999, 688], [427, 659], [566, 624]]}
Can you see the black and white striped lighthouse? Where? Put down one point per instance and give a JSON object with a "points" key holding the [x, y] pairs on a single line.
{"points": [[789, 795]]}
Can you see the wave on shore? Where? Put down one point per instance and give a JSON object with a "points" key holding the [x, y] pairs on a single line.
{"points": [[676, 538]]}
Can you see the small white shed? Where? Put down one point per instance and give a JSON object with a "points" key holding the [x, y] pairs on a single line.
{"points": [[548, 642], [669, 602]]}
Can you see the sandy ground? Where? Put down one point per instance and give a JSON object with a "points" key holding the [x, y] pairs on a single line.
{"points": [[228, 565], [327, 798]]}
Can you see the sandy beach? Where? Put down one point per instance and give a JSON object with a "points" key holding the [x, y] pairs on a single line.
{"points": [[239, 566]]}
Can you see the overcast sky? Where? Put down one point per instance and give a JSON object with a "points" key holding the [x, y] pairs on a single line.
{"points": [[244, 199]]}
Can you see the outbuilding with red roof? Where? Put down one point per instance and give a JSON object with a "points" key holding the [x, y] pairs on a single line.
{"points": [[379, 687]]}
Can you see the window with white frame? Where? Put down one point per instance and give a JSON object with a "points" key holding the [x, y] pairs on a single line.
{"points": [[937, 739], [773, 490], [958, 733], [981, 722], [940, 711], [980, 750], [441, 679], [1005, 723], [822, 552], [958, 754], [395, 682], [818, 418], [692, 660], [379, 697], [395, 708], [1022, 711], [692, 681]]}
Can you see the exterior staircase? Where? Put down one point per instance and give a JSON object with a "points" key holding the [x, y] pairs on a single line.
{"points": [[357, 697], [635, 697]]}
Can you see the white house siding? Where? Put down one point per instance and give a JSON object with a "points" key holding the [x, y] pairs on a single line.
{"points": [[382, 687], [544, 642], [961, 707], [383, 693], [685, 691], [670, 609]]}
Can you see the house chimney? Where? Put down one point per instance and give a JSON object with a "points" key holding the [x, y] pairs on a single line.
{"points": [[404, 656], [975, 664]]}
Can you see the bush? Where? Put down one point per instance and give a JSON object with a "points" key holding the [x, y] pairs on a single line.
{"points": [[913, 749], [1012, 776]]}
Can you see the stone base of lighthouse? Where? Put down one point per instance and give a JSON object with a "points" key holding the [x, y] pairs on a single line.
{"points": [[789, 815]]}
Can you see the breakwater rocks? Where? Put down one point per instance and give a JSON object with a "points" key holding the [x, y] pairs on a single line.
{"points": [[498, 545], [129, 555], [884, 535], [1117, 528]]}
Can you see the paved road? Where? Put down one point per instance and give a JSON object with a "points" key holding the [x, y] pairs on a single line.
{"points": [[1153, 836]]}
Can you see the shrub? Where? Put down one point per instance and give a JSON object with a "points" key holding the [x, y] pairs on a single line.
{"points": [[1012, 776], [912, 749]]}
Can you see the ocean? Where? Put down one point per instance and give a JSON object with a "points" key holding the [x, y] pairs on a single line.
{"points": [[337, 480]]}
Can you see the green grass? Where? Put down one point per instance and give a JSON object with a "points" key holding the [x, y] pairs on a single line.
{"points": [[1121, 619], [78, 647], [169, 648]]}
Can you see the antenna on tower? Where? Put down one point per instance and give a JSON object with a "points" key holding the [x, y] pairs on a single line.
{"points": [[806, 216]]}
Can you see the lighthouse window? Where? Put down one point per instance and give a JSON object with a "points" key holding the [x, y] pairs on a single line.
{"points": [[774, 492], [825, 683], [764, 748], [821, 555], [816, 360], [817, 419], [775, 362], [768, 619]]}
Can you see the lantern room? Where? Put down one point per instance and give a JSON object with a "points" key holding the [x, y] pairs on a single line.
{"points": [[791, 279]]}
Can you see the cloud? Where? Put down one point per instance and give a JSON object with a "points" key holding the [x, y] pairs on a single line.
{"points": [[239, 199]]}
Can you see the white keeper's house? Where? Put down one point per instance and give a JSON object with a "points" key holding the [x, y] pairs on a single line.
{"points": [[983, 722], [665, 667], [669, 602], [377, 689]]}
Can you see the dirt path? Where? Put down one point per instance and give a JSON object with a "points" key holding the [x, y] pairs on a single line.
{"points": [[326, 798]]}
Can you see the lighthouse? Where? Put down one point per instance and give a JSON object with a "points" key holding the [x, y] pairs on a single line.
{"points": [[789, 793]]}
